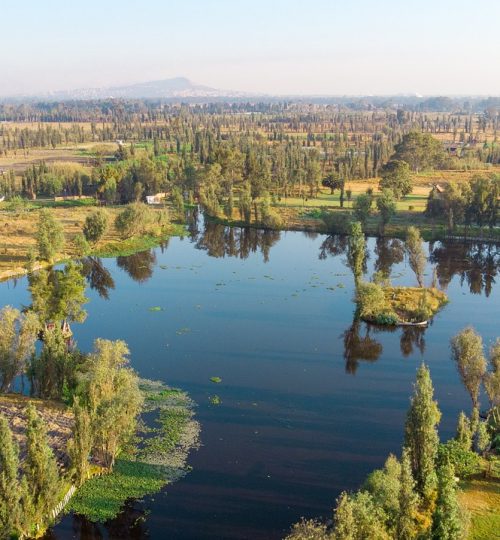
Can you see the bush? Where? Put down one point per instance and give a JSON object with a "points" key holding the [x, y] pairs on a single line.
{"points": [[133, 220], [465, 462], [337, 222], [95, 225], [371, 301], [81, 245]]}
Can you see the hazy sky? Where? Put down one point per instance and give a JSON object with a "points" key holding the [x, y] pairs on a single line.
{"points": [[272, 46]]}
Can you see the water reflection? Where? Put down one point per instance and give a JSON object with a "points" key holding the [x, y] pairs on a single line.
{"points": [[333, 246], [476, 263], [138, 266], [389, 251], [98, 277], [359, 347], [221, 241]]}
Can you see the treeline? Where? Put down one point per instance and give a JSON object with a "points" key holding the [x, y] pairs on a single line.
{"points": [[332, 130], [415, 496]]}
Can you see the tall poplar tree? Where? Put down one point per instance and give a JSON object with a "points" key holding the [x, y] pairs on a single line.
{"points": [[9, 481], [446, 523], [421, 436]]}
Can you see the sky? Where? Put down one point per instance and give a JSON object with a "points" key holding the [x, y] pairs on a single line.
{"points": [[327, 47]]}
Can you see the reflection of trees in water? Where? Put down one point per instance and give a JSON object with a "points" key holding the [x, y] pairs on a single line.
{"points": [[98, 276], [333, 245], [221, 241], [358, 347], [476, 263], [138, 266], [389, 251]]}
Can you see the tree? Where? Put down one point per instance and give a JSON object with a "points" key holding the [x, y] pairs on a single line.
{"points": [[384, 486], [356, 251], [467, 352], [10, 495], [371, 301], [40, 467], [406, 528], [18, 335], [421, 436], [345, 525], [133, 220], [59, 294], [420, 150], [49, 236], [362, 208], [464, 432], [95, 225], [109, 390], [386, 205], [446, 524], [396, 177], [81, 444], [416, 255], [492, 379]]}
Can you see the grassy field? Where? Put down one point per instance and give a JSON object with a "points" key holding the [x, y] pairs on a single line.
{"points": [[481, 498], [18, 228]]}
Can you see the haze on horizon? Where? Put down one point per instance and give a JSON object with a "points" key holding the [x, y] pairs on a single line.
{"points": [[323, 47]]}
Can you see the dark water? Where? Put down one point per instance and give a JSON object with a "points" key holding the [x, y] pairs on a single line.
{"points": [[311, 400]]}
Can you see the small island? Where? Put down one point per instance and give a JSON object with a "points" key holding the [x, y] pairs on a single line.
{"points": [[398, 306]]}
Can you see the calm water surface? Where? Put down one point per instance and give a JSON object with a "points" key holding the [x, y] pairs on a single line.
{"points": [[312, 401]]}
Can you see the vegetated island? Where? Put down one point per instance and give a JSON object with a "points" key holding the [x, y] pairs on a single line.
{"points": [[398, 306]]}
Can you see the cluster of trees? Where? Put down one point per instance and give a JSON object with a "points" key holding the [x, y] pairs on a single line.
{"points": [[100, 387], [414, 496], [466, 203]]}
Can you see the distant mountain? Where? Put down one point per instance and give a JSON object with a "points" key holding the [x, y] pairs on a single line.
{"points": [[178, 87]]}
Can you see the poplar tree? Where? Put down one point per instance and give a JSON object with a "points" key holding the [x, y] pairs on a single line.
{"points": [[406, 528], [467, 351], [9, 481], [356, 251], [464, 432], [49, 236], [446, 523], [421, 436], [40, 467]]}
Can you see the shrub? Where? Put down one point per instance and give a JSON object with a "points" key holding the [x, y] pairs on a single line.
{"points": [[95, 225], [337, 222], [133, 220], [371, 301], [465, 462]]}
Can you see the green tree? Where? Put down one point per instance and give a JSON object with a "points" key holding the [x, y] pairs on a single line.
{"points": [[133, 220], [420, 150], [416, 256], [421, 436], [49, 236], [464, 432], [10, 494], [467, 352], [362, 208], [59, 294], [396, 177], [386, 206], [446, 523], [406, 528], [356, 250], [95, 225], [80, 445], [492, 378], [18, 335], [40, 467], [109, 389]]}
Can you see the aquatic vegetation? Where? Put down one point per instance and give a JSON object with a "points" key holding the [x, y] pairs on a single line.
{"points": [[215, 400], [182, 331], [156, 308], [159, 457], [216, 379]]}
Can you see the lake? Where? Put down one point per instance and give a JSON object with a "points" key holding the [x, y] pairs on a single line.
{"points": [[311, 400]]}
